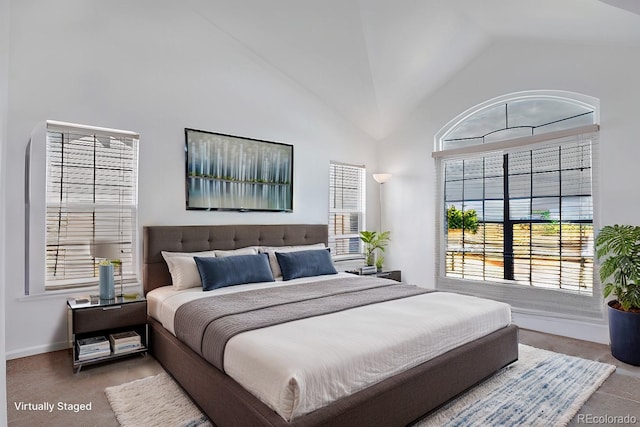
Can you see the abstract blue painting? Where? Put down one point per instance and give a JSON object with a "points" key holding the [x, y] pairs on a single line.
{"points": [[226, 172]]}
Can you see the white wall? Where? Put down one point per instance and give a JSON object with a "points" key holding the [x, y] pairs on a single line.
{"points": [[155, 68], [604, 72], [4, 68]]}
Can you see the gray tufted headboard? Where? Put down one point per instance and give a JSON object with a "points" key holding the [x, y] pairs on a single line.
{"points": [[195, 238]]}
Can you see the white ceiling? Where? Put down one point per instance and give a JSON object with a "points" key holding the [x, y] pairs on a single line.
{"points": [[373, 61]]}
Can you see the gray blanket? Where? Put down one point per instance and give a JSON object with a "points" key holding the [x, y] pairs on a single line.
{"points": [[207, 324]]}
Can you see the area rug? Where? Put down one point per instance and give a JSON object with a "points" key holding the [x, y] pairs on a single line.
{"points": [[542, 388], [154, 402]]}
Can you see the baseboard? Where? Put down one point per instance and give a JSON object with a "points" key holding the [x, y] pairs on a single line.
{"points": [[32, 351], [579, 329]]}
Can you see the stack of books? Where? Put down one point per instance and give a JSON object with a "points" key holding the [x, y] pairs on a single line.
{"points": [[123, 342], [93, 347]]}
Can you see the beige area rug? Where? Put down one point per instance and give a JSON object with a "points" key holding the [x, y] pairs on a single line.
{"points": [[542, 388], [156, 401]]}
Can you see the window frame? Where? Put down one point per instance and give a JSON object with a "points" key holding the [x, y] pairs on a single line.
{"points": [[37, 204], [361, 213], [522, 298]]}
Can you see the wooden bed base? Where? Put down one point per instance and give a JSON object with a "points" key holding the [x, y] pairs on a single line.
{"points": [[396, 401]]}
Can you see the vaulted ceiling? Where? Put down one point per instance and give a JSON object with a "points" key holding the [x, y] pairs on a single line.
{"points": [[373, 61]]}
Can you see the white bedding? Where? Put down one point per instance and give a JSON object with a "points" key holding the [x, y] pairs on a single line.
{"points": [[300, 366]]}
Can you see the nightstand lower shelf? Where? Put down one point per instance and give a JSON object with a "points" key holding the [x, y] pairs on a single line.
{"points": [[78, 364]]}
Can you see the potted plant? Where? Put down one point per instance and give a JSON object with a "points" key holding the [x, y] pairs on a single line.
{"points": [[373, 241], [619, 247]]}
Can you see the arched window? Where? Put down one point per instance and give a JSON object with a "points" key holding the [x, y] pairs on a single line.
{"points": [[516, 201]]}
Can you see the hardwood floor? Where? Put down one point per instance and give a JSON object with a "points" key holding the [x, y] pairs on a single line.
{"points": [[49, 378]]}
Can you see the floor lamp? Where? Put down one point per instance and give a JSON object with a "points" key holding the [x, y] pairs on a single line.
{"points": [[381, 178]]}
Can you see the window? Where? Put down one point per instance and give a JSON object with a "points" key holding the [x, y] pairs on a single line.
{"points": [[527, 217], [346, 209], [91, 197], [517, 202]]}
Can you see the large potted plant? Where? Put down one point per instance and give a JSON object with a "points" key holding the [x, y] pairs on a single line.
{"points": [[619, 248], [373, 241]]}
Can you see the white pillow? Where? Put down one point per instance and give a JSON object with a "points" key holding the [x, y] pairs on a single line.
{"points": [[273, 261], [249, 250], [183, 269]]}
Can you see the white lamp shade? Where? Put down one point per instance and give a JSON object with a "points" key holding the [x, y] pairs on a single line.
{"points": [[381, 178], [106, 250]]}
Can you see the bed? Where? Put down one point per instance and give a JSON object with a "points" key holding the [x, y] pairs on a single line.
{"points": [[397, 400]]}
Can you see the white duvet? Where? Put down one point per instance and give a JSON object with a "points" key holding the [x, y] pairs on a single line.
{"points": [[303, 365]]}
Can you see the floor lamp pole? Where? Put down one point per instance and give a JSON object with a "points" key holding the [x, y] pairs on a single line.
{"points": [[381, 178], [380, 208]]}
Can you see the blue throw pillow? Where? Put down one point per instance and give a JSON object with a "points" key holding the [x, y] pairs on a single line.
{"points": [[233, 270], [305, 263]]}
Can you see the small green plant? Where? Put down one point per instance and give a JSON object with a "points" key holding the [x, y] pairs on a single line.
{"points": [[619, 246], [466, 220], [373, 241], [379, 262]]}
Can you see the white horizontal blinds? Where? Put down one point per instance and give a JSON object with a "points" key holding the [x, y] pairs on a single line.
{"points": [[524, 216], [474, 202], [91, 197], [551, 208], [346, 208]]}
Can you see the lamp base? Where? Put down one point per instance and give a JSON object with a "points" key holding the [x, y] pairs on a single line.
{"points": [[107, 287]]}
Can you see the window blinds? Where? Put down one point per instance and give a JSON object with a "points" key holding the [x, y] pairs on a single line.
{"points": [[91, 197], [346, 209], [534, 208], [549, 223]]}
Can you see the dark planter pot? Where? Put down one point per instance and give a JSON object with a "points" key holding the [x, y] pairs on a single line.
{"points": [[624, 333]]}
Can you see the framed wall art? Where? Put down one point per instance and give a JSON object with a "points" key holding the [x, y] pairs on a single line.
{"points": [[227, 172]]}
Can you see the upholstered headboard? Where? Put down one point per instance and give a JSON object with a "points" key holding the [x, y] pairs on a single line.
{"points": [[195, 238]]}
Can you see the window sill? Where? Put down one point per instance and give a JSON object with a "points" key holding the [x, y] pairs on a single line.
{"points": [[88, 290], [354, 257], [594, 318]]}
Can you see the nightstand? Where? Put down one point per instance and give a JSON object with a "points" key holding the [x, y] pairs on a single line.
{"points": [[390, 274], [90, 318]]}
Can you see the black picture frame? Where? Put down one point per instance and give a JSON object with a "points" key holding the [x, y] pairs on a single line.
{"points": [[234, 173]]}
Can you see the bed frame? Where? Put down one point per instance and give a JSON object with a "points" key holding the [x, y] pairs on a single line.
{"points": [[396, 401]]}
